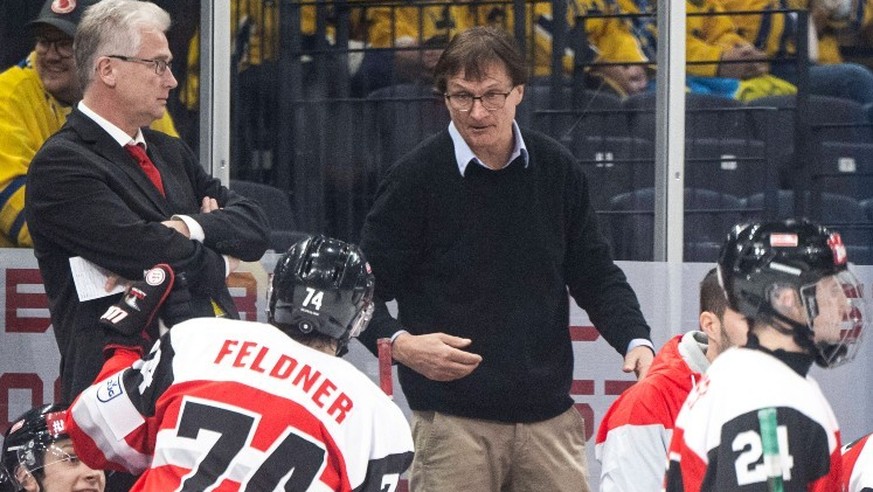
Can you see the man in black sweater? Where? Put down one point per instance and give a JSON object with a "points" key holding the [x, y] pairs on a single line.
{"points": [[479, 234]]}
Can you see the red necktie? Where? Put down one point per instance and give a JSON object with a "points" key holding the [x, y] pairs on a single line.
{"points": [[148, 167]]}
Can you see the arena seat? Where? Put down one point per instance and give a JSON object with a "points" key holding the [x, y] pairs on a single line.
{"points": [[404, 115], [709, 215], [277, 206]]}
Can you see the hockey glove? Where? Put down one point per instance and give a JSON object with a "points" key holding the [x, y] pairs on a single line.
{"points": [[125, 323], [177, 307]]}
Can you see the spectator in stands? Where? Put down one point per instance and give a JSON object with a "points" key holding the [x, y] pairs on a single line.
{"points": [[611, 40], [829, 19], [635, 432], [776, 35], [124, 197], [858, 465], [255, 53], [482, 234], [38, 456], [737, 71], [419, 32], [857, 30], [757, 420], [255, 48], [35, 99]]}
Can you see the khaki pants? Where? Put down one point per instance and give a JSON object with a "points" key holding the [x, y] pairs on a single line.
{"points": [[455, 454]]}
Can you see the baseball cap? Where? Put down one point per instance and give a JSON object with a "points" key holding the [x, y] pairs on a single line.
{"points": [[62, 14]]}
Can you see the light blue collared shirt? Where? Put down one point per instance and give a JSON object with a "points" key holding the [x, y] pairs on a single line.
{"points": [[464, 154]]}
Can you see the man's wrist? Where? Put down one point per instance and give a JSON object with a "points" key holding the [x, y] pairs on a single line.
{"points": [[396, 350], [397, 334], [637, 342], [195, 230]]}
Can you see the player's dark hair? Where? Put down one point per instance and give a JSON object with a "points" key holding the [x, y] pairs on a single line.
{"points": [[313, 339], [712, 296]]}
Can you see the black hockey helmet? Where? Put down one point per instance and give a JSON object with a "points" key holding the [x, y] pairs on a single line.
{"points": [[28, 440], [796, 272], [322, 285]]}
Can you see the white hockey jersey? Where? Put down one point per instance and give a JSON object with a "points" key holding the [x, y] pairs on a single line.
{"points": [[717, 443], [231, 405]]}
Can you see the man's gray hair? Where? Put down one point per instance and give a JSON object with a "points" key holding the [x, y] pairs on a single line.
{"points": [[112, 27]]}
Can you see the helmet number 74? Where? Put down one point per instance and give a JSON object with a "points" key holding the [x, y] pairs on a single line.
{"points": [[313, 298]]}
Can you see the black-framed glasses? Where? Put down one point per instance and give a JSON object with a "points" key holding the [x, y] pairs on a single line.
{"points": [[492, 101], [160, 64], [64, 46]]}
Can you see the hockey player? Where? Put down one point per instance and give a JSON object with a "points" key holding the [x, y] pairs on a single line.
{"points": [[634, 434], [758, 420], [858, 466], [38, 456], [236, 405]]}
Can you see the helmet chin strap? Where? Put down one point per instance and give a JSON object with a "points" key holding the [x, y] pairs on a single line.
{"points": [[796, 328], [803, 336], [801, 333]]}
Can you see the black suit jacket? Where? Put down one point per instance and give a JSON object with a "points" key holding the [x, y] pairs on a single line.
{"points": [[86, 196]]}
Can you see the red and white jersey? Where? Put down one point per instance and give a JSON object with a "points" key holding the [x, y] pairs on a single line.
{"points": [[717, 442], [631, 443], [229, 405], [858, 466]]}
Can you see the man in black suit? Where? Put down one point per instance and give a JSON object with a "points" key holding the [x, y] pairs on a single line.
{"points": [[125, 209]]}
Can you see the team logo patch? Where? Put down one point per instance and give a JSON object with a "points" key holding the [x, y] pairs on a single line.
{"points": [[110, 389], [155, 276], [61, 7], [55, 423]]}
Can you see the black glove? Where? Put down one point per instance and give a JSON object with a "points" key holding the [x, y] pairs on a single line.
{"points": [[177, 307], [125, 323]]}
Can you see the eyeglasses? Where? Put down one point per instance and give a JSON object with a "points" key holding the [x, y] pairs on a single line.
{"points": [[63, 46], [492, 101], [160, 65]]}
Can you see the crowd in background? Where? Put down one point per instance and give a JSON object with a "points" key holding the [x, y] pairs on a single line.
{"points": [[294, 84]]}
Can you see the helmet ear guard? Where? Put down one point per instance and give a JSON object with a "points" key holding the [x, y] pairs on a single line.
{"points": [[359, 324], [794, 275]]}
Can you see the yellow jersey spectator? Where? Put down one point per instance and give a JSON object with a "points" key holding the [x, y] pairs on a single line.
{"points": [[776, 34], [420, 30], [708, 38]]}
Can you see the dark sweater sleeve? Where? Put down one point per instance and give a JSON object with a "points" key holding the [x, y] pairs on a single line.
{"points": [[596, 283], [391, 240]]}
